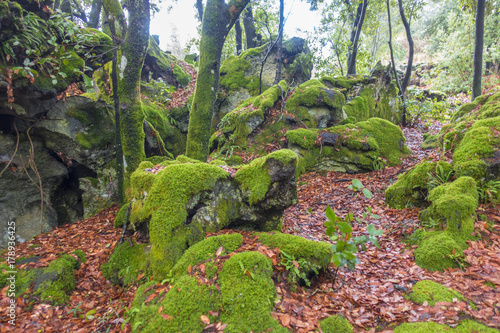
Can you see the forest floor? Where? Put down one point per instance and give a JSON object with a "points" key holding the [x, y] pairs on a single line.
{"points": [[372, 297]]}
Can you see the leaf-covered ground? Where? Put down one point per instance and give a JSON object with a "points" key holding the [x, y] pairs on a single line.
{"points": [[371, 298]]}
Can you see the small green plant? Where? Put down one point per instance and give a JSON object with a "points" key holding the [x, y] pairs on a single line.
{"points": [[366, 214], [490, 192], [438, 178], [343, 251], [76, 310], [298, 269], [358, 185]]}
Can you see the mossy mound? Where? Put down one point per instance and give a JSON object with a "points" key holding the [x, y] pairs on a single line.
{"points": [[465, 326], [126, 263], [206, 250], [453, 205], [412, 186], [242, 300], [359, 147], [433, 292], [335, 324], [318, 253], [437, 252]]}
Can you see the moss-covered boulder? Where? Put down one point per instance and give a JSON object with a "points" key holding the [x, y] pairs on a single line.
{"points": [[127, 262], [465, 326], [181, 200], [335, 324], [439, 251], [240, 76], [433, 292], [412, 187], [359, 147], [453, 206]]}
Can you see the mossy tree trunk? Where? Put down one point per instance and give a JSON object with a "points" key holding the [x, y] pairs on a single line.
{"points": [[95, 14], [478, 50], [218, 19]]}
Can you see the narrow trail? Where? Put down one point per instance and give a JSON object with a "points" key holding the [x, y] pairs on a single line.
{"points": [[370, 297]]}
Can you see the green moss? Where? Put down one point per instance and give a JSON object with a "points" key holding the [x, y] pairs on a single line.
{"points": [[121, 217], [166, 201], [436, 251], [302, 137], [433, 292], [423, 327], [335, 324], [318, 253], [81, 256], [247, 299], [254, 177], [168, 63], [206, 250], [411, 187], [471, 326], [127, 263], [453, 205], [357, 108], [419, 236], [185, 303], [57, 281]]}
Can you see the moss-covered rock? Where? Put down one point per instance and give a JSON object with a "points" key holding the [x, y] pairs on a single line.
{"points": [[438, 252], [471, 326], [433, 292], [126, 263], [359, 147], [318, 253], [56, 282], [412, 186], [185, 198], [206, 250], [422, 327], [335, 324], [453, 205]]}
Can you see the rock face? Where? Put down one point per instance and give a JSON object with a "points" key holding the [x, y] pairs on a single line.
{"points": [[240, 76], [73, 141], [184, 199]]}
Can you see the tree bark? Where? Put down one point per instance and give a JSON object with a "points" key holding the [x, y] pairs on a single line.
{"points": [[134, 51], [478, 50], [199, 7], [406, 79], [355, 34], [238, 32], [95, 14], [279, 42], [393, 63], [249, 26], [218, 20]]}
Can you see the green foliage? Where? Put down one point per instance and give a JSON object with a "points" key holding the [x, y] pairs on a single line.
{"points": [[489, 191], [420, 108], [357, 185], [340, 230], [439, 177], [298, 269]]}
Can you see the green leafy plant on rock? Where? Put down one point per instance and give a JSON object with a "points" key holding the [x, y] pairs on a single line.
{"points": [[298, 269]]}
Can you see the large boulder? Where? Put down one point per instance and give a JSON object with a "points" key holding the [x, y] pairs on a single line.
{"points": [[240, 76], [179, 201]]}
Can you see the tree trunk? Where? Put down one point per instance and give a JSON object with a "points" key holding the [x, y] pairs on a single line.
{"points": [[218, 20], [406, 79], [238, 33], [279, 42], [249, 26], [199, 7], [355, 34], [95, 14], [478, 50], [133, 52], [393, 63]]}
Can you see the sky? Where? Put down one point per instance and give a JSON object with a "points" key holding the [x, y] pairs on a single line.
{"points": [[182, 19]]}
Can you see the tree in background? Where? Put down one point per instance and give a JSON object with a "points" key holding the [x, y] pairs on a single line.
{"points": [[279, 42], [218, 19], [249, 26], [356, 26], [133, 50], [478, 50]]}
